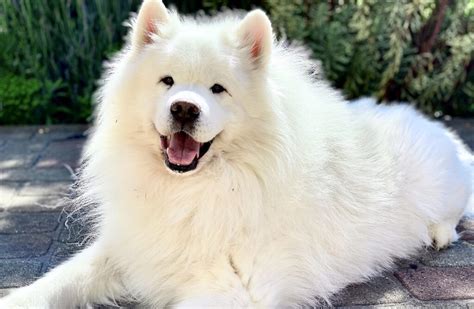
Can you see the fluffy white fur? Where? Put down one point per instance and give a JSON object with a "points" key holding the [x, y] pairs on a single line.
{"points": [[300, 194]]}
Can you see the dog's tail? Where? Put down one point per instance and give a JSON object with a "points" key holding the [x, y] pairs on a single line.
{"points": [[470, 204], [467, 158]]}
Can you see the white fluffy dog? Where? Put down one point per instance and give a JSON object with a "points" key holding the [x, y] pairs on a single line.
{"points": [[226, 176]]}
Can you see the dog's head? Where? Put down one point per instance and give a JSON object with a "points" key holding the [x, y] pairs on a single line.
{"points": [[196, 82]]}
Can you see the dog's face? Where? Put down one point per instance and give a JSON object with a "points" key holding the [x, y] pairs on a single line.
{"points": [[196, 99], [195, 80]]}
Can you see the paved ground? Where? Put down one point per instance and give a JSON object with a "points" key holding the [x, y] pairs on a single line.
{"points": [[36, 165]]}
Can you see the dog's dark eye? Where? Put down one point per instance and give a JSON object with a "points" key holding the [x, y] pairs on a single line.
{"points": [[216, 88], [167, 80]]}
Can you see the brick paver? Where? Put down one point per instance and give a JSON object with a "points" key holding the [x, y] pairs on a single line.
{"points": [[35, 173], [439, 283]]}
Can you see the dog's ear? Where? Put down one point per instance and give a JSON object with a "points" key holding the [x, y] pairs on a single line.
{"points": [[256, 36], [152, 13]]}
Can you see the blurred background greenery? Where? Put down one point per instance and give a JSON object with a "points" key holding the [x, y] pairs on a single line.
{"points": [[421, 51]]}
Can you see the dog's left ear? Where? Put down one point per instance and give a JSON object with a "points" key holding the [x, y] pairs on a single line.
{"points": [[152, 13], [256, 36]]}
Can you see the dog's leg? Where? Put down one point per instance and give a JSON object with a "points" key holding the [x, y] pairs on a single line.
{"points": [[86, 278]]}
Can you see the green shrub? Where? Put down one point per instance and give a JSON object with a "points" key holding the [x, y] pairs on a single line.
{"points": [[27, 101], [416, 51], [67, 42], [64, 41]]}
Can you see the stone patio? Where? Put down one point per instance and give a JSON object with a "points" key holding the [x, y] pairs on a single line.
{"points": [[36, 169]]}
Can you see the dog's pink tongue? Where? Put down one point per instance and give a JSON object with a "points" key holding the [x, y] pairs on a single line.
{"points": [[182, 149]]}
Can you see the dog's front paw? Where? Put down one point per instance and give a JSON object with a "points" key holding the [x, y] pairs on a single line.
{"points": [[7, 303], [21, 300]]}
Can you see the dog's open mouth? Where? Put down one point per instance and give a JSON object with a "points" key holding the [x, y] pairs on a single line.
{"points": [[182, 152]]}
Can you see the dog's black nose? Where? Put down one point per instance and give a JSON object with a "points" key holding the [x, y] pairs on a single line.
{"points": [[184, 112]]}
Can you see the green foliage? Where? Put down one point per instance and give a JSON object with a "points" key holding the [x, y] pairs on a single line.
{"points": [[27, 101], [211, 6], [57, 48], [59, 45], [412, 50], [419, 51]]}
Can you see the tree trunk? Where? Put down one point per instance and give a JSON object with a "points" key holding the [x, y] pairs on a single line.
{"points": [[426, 43]]}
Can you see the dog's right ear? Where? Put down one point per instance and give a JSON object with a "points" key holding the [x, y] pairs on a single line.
{"points": [[152, 13]]}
